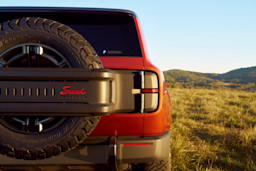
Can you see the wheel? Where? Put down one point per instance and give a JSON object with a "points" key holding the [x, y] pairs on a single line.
{"points": [[39, 42], [162, 165]]}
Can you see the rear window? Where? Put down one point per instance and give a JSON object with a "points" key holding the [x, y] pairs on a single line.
{"points": [[110, 36]]}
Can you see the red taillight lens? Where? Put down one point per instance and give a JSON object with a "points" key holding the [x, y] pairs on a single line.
{"points": [[134, 144], [149, 90]]}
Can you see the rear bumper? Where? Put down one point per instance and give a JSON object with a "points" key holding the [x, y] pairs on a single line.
{"points": [[117, 149]]}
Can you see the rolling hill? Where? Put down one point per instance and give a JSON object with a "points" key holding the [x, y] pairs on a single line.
{"points": [[244, 78]]}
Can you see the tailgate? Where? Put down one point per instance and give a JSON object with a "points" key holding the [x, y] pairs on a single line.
{"points": [[55, 91], [80, 92]]}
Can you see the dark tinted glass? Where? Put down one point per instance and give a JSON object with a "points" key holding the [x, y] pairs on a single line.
{"points": [[110, 33], [111, 38]]}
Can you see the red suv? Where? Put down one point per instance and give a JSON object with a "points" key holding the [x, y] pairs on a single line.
{"points": [[77, 91]]}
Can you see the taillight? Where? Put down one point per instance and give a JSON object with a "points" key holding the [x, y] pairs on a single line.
{"points": [[136, 144], [150, 90], [135, 91]]}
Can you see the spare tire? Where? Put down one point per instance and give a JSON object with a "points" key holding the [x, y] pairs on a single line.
{"points": [[40, 42]]}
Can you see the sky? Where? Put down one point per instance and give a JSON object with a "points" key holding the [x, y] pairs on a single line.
{"points": [[211, 36]]}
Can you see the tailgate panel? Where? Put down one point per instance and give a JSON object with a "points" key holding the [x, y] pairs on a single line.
{"points": [[55, 91], [93, 91], [72, 91]]}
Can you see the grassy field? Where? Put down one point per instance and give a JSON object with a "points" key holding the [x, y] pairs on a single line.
{"points": [[213, 129]]}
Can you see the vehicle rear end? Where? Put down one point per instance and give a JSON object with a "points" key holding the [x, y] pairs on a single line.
{"points": [[128, 95]]}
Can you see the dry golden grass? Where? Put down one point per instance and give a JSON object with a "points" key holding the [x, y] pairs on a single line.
{"points": [[213, 129]]}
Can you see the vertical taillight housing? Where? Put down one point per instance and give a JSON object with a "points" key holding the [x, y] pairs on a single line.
{"points": [[135, 91], [150, 91]]}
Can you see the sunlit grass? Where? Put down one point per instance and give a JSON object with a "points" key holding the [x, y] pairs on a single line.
{"points": [[213, 129]]}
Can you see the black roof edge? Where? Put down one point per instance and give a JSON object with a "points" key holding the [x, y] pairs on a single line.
{"points": [[66, 10]]}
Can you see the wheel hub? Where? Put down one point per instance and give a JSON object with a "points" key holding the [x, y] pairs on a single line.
{"points": [[32, 55]]}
